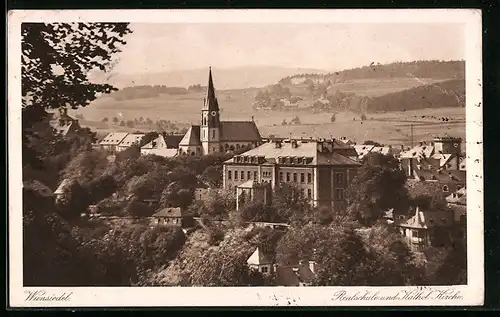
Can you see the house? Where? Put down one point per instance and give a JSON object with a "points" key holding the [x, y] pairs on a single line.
{"points": [[260, 262], [448, 181], [164, 145], [253, 191], [171, 216], [444, 153], [428, 228], [322, 169], [59, 192], [129, 140], [457, 201], [300, 274], [63, 124], [214, 135], [111, 141]]}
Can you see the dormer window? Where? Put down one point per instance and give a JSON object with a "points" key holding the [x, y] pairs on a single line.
{"points": [[445, 188]]}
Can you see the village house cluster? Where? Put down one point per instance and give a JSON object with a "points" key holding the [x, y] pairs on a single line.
{"points": [[321, 169]]}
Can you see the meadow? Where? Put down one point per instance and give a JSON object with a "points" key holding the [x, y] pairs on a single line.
{"points": [[388, 127]]}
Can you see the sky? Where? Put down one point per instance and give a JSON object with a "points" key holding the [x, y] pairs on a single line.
{"points": [[168, 47]]}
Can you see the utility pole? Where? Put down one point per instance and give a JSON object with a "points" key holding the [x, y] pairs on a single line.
{"points": [[411, 139]]}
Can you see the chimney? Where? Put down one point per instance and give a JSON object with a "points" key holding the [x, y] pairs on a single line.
{"points": [[252, 118], [277, 144], [312, 266], [294, 144]]}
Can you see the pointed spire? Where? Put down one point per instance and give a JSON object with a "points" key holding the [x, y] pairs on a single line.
{"points": [[211, 101]]}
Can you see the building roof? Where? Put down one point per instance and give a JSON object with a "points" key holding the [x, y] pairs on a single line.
{"points": [[364, 149], [114, 138], [131, 138], [258, 258], [423, 151], [169, 212], [60, 188], [294, 275], [172, 140], [385, 150], [428, 219], [239, 131], [309, 150], [444, 176], [247, 184], [211, 102], [192, 136]]}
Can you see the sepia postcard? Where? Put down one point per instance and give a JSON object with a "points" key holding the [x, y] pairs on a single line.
{"points": [[165, 158]]}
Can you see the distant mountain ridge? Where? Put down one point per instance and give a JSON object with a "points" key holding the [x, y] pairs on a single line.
{"points": [[224, 78]]}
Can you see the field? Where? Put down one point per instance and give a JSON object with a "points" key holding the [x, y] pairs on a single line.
{"points": [[388, 128]]}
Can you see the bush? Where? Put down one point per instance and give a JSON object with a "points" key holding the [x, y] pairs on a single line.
{"points": [[216, 235]]}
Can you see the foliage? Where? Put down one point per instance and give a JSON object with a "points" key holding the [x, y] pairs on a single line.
{"points": [[86, 166], [378, 186], [289, 204], [74, 48], [213, 175], [258, 212]]}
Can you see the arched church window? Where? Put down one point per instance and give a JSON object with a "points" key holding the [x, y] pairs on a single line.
{"points": [[192, 153], [221, 149], [237, 146], [231, 148]]}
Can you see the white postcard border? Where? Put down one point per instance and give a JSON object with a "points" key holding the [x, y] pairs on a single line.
{"points": [[472, 294]]}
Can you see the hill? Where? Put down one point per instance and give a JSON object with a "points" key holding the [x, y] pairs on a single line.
{"points": [[224, 78], [417, 69]]}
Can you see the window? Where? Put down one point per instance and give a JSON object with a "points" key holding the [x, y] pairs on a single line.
{"points": [[287, 177], [339, 178], [309, 193], [255, 175], [249, 175], [281, 176], [295, 177], [237, 146], [339, 194], [229, 174], [242, 175], [302, 177], [263, 269], [213, 133], [416, 234], [445, 188], [309, 178], [235, 175]]}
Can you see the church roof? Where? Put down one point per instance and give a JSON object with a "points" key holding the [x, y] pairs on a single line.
{"points": [[211, 102], [239, 131], [192, 136]]}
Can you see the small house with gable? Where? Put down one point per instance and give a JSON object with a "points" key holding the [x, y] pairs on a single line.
{"points": [[260, 262]]}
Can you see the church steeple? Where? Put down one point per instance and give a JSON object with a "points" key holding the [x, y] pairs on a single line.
{"points": [[211, 103]]}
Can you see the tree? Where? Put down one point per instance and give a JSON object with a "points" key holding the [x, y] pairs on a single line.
{"points": [[105, 120], [378, 186], [428, 195], [58, 56], [363, 117], [332, 118], [115, 120], [289, 204]]}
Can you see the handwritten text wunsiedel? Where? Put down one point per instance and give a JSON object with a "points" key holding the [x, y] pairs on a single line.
{"points": [[424, 294], [43, 296]]}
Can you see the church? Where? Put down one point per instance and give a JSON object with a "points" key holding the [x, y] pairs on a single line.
{"points": [[214, 135]]}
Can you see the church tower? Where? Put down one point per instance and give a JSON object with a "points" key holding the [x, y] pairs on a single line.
{"points": [[210, 120]]}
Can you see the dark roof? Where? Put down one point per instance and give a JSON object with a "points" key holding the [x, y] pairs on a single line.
{"points": [[169, 212], [428, 219], [286, 276], [192, 136], [211, 102], [172, 140], [239, 131], [445, 176]]}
